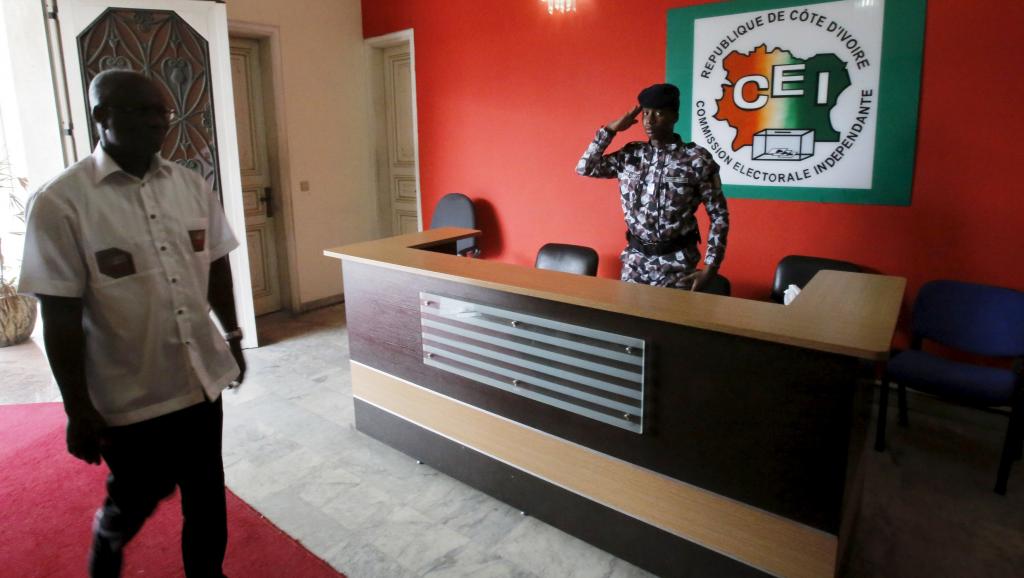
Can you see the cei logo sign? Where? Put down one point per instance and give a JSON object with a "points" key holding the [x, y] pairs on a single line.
{"points": [[787, 96]]}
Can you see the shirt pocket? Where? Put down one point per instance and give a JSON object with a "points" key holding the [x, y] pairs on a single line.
{"points": [[118, 261], [197, 233]]}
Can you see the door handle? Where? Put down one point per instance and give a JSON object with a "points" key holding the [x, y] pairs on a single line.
{"points": [[266, 200]]}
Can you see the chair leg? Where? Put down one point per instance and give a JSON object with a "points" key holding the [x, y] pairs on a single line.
{"points": [[1011, 447], [1019, 445], [1005, 461], [902, 391], [883, 406]]}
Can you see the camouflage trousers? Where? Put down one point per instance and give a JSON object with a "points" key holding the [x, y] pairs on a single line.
{"points": [[660, 270]]}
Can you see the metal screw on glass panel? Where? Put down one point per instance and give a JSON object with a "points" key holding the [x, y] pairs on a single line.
{"points": [[515, 383], [430, 356], [626, 416], [629, 349], [515, 324], [428, 303]]}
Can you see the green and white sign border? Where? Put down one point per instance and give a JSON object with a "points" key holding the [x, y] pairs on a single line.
{"points": [[898, 95]]}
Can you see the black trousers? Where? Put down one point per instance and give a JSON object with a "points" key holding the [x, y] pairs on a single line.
{"points": [[148, 460]]}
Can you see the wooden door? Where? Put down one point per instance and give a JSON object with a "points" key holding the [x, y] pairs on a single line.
{"points": [[257, 181], [397, 160]]}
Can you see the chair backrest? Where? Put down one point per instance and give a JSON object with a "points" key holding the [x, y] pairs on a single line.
{"points": [[567, 258], [800, 269], [455, 210], [979, 319], [719, 285]]}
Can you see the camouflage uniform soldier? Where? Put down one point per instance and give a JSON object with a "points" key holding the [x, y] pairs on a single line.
{"points": [[662, 182]]}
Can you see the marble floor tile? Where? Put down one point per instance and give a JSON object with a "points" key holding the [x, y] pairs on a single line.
{"points": [[25, 373], [413, 540], [361, 559], [254, 482], [471, 560], [327, 484], [303, 521], [547, 551], [328, 403], [362, 507], [465, 510]]}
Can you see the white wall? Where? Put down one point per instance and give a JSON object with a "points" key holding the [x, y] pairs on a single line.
{"points": [[26, 93], [329, 136]]}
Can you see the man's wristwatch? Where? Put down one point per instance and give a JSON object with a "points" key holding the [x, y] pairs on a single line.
{"points": [[235, 333]]}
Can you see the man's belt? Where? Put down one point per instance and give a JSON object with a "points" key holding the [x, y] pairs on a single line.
{"points": [[664, 247]]}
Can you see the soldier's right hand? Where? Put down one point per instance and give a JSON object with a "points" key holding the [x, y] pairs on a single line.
{"points": [[627, 120], [83, 437]]}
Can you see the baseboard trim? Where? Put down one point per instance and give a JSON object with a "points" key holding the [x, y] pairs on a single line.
{"points": [[321, 303]]}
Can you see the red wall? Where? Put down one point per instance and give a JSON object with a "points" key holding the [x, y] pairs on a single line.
{"points": [[509, 97]]}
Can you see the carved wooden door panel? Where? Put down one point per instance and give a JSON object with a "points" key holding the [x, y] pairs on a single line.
{"points": [[161, 45], [183, 45]]}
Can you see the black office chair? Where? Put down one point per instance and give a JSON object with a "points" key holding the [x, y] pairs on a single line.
{"points": [[567, 258], [456, 210], [799, 269], [719, 285], [979, 319]]}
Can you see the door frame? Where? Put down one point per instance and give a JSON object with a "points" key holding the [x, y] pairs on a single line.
{"points": [[374, 47], [280, 167]]}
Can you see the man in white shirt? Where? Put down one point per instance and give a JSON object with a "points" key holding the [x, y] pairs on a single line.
{"points": [[127, 253]]}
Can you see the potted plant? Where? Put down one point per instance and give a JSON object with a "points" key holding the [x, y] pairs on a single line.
{"points": [[17, 312]]}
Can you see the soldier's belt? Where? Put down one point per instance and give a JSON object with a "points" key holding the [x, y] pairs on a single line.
{"points": [[663, 247]]}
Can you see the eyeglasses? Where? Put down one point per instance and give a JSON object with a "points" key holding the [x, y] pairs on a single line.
{"points": [[144, 111]]}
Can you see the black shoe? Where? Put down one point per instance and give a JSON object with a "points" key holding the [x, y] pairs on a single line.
{"points": [[104, 558]]}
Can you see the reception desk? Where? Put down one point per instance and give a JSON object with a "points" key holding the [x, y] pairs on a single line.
{"points": [[690, 434]]}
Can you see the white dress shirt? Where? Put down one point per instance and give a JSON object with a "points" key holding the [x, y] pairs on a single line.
{"points": [[138, 253]]}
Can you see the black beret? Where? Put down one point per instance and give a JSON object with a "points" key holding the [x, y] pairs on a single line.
{"points": [[659, 96]]}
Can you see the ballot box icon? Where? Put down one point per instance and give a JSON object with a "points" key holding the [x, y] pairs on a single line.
{"points": [[783, 144]]}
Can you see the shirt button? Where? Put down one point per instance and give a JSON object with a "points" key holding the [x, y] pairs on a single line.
{"points": [[151, 216], [181, 311], [188, 342], [174, 279], [163, 247]]}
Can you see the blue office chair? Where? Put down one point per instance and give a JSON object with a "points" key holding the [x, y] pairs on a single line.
{"points": [[978, 319], [567, 259], [800, 269], [456, 210]]}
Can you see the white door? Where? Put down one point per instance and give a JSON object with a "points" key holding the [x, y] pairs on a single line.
{"points": [[257, 181], [184, 45], [396, 144]]}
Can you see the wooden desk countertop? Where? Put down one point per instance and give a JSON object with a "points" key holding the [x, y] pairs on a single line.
{"points": [[847, 313]]}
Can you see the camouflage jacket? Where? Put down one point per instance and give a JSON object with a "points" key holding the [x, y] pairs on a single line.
{"points": [[660, 191]]}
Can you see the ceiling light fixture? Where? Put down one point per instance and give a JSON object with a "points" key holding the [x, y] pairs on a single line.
{"points": [[560, 6]]}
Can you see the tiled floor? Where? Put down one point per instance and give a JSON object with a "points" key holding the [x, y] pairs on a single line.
{"points": [[291, 451]]}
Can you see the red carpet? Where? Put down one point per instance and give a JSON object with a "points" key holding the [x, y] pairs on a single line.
{"points": [[47, 500]]}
